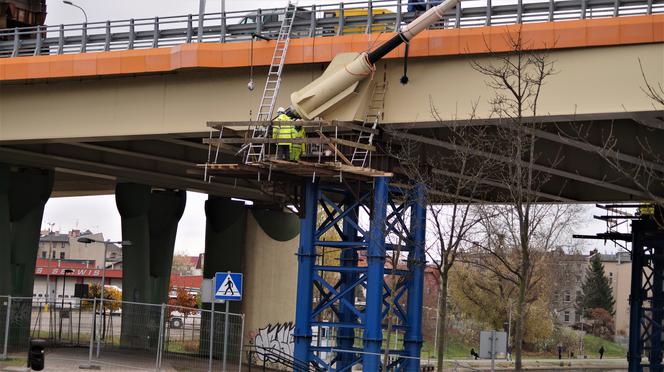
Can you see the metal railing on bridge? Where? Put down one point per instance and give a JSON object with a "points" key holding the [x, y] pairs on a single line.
{"points": [[311, 21]]}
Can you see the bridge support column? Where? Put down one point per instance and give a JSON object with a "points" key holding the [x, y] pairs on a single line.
{"points": [[395, 213], [166, 209], [373, 331], [349, 259], [306, 257], [149, 221], [225, 230], [646, 299], [657, 306], [23, 195], [636, 303], [415, 283], [5, 244]]}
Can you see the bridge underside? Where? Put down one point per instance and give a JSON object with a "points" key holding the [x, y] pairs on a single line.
{"points": [[575, 164]]}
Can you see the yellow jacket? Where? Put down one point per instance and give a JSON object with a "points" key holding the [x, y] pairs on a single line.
{"points": [[280, 130]]}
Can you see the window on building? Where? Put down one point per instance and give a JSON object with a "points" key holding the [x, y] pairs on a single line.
{"points": [[53, 254], [63, 244], [566, 316], [62, 255], [43, 254], [568, 296], [577, 316], [610, 278]]}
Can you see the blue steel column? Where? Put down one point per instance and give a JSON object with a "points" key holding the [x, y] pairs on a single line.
{"points": [[349, 258], [306, 257], [636, 300], [657, 306], [416, 263], [373, 333]]}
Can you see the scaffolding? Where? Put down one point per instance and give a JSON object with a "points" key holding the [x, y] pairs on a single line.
{"points": [[646, 300], [328, 147], [363, 253]]}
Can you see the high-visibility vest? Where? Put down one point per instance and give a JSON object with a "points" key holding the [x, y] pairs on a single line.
{"points": [[289, 131]]}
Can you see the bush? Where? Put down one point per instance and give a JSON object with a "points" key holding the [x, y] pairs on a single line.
{"points": [[601, 323]]}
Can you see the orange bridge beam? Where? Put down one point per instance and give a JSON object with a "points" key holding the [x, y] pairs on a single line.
{"points": [[433, 43]]}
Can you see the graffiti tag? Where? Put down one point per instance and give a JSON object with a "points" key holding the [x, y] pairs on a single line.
{"points": [[276, 337]]}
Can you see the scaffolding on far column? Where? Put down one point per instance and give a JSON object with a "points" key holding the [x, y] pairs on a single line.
{"points": [[377, 272], [646, 300]]}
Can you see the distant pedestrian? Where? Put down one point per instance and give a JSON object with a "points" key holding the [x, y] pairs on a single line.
{"points": [[560, 351], [601, 352], [509, 353], [474, 354]]}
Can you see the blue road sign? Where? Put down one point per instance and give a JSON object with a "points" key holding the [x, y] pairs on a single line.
{"points": [[228, 286]]}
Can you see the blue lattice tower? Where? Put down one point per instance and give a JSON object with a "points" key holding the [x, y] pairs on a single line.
{"points": [[331, 289], [647, 295]]}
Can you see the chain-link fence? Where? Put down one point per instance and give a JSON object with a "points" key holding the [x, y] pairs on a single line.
{"points": [[118, 334]]}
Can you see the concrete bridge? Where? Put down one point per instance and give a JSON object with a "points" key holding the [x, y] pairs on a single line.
{"points": [[79, 116]]}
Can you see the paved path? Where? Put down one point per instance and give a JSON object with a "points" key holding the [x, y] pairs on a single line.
{"points": [[61, 360], [615, 364]]}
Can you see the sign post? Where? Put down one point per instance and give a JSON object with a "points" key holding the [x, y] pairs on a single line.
{"points": [[227, 288], [492, 343], [212, 301]]}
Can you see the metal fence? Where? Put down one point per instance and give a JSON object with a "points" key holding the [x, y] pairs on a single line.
{"points": [[311, 21], [124, 335]]}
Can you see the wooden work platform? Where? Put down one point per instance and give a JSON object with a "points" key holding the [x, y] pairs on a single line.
{"points": [[277, 168]]}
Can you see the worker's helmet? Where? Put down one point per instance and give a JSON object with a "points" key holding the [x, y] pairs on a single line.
{"points": [[281, 110]]}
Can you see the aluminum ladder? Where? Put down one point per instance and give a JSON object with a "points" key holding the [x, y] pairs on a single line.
{"points": [[371, 119], [256, 151]]}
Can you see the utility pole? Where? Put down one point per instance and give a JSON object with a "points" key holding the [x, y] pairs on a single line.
{"points": [[48, 261]]}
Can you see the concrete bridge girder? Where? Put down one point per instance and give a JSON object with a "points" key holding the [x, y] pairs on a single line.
{"points": [[589, 81]]}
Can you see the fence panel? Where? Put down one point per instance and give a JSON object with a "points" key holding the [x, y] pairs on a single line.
{"points": [[186, 340], [127, 335], [4, 330], [122, 336]]}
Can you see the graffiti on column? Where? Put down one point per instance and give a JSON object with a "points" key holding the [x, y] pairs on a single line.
{"points": [[276, 336]]}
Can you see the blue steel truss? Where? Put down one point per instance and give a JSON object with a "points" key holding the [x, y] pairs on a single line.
{"points": [[327, 294], [646, 296]]}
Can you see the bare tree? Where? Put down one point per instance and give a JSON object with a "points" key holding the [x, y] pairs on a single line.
{"points": [[453, 181], [517, 78]]}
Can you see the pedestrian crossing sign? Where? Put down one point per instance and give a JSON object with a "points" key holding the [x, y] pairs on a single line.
{"points": [[228, 286]]}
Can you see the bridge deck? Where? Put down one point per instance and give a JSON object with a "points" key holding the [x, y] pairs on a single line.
{"points": [[312, 21]]}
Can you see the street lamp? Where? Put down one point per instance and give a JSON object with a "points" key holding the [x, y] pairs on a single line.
{"points": [[62, 309], [87, 240], [67, 2]]}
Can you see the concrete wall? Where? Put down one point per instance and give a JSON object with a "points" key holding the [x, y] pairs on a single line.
{"points": [[619, 274], [270, 280]]}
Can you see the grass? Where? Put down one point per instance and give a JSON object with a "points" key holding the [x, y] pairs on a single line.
{"points": [[13, 362], [457, 349], [591, 344]]}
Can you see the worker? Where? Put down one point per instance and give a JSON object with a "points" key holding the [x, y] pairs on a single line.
{"points": [[288, 150]]}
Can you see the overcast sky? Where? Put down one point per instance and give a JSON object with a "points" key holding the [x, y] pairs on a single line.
{"points": [[98, 213]]}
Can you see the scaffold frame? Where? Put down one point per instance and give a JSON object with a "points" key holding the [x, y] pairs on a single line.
{"points": [[394, 214]]}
